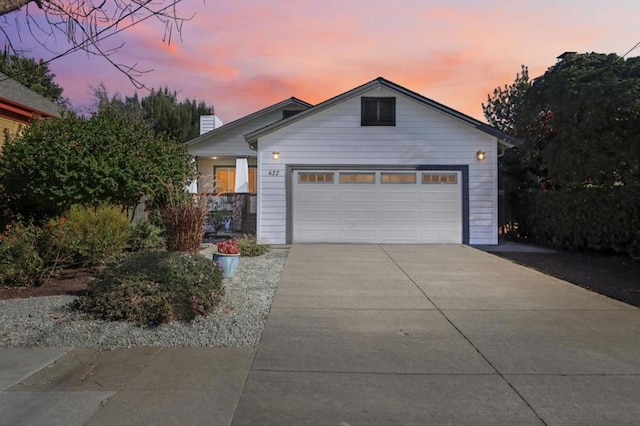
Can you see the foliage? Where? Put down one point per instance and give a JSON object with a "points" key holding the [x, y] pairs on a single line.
{"points": [[89, 236], [596, 218], [32, 74], [248, 246], [64, 26], [503, 107], [161, 110], [183, 216], [107, 158], [145, 236], [582, 122], [229, 246], [155, 288], [20, 262]]}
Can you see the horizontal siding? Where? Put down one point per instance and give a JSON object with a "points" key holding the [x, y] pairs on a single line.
{"points": [[232, 142], [422, 136]]}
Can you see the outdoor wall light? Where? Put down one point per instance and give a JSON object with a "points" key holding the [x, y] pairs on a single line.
{"points": [[276, 155], [480, 155]]}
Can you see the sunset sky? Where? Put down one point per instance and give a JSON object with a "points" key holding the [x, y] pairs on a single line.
{"points": [[244, 55]]}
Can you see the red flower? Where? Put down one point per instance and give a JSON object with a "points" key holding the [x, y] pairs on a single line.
{"points": [[227, 247]]}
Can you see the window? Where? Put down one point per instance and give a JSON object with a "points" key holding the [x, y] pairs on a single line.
{"points": [[357, 177], [378, 111], [314, 177], [438, 178], [226, 180], [398, 178]]}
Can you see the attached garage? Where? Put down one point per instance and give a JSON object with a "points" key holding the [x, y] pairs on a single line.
{"points": [[378, 164], [377, 206]]}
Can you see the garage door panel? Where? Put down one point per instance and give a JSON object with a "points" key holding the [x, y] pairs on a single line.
{"points": [[375, 212], [399, 196], [317, 195], [398, 216], [356, 197], [317, 215]]}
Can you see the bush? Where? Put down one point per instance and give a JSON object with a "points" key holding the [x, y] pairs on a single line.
{"points": [[109, 157], [89, 236], [155, 288], [146, 236], [596, 218], [20, 261], [248, 246]]}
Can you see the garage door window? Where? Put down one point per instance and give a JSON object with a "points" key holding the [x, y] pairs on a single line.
{"points": [[315, 177], [395, 178], [357, 177], [439, 178]]}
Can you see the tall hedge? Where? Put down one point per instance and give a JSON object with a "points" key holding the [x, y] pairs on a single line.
{"points": [[594, 218]]}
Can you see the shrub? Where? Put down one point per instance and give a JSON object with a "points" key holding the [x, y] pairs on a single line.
{"points": [[155, 288], [89, 236], [596, 218], [20, 262], [109, 157], [146, 236], [248, 246]]}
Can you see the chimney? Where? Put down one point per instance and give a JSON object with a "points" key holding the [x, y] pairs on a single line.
{"points": [[209, 122]]}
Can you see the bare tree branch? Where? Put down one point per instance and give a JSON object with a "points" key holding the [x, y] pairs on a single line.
{"points": [[84, 25]]}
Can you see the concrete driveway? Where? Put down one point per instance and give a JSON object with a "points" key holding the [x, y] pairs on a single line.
{"points": [[402, 334]]}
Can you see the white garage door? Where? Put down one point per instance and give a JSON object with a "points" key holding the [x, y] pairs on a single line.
{"points": [[382, 206]]}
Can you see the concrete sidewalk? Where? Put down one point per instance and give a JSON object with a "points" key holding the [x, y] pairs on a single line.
{"points": [[365, 334], [438, 335]]}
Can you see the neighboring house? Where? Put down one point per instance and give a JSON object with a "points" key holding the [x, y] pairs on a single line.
{"points": [[377, 164], [19, 106]]}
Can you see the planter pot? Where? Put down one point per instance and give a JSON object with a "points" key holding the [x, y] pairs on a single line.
{"points": [[229, 263]]}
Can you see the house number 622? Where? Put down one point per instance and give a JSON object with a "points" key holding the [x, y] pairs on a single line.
{"points": [[274, 172]]}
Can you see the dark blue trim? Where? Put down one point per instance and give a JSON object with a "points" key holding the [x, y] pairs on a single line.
{"points": [[464, 169]]}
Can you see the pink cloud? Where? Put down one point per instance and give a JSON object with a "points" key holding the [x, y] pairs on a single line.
{"points": [[244, 56]]}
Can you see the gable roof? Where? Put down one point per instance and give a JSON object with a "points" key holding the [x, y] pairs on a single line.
{"points": [[14, 93], [245, 119], [503, 138]]}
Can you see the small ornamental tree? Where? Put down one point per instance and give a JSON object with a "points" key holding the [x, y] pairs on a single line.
{"points": [[109, 158]]}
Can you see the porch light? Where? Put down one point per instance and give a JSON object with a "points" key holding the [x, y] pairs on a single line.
{"points": [[480, 155], [276, 155]]}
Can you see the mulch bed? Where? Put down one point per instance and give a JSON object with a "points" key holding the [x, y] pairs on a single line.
{"points": [[611, 274], [66, 282]]}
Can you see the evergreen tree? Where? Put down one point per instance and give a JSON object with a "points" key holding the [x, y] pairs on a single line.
{"points": [[33, 74]]}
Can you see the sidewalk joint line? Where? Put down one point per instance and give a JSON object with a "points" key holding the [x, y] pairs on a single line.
{"points": [[465, 337]]}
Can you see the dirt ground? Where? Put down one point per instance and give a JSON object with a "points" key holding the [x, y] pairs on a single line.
{"points": [[613, 275], [70, 282]]}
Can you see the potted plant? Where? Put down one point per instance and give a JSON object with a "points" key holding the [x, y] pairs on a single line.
{"points": [[227, 256]]}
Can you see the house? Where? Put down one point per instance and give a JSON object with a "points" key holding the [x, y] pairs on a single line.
{"points": [[19, 106], [377, 164]]}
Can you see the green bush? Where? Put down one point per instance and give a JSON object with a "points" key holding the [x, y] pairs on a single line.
{"points": [[89, 236], [109, 157], [248, 246], [154, 288], [595, 218], [145, 236], [20, 261]]}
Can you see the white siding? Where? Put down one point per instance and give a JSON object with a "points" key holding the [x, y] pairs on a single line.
{"points": [[231, 142], [422, 136]]}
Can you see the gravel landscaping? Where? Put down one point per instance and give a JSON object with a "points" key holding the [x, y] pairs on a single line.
{"points": [[237, 322]]}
